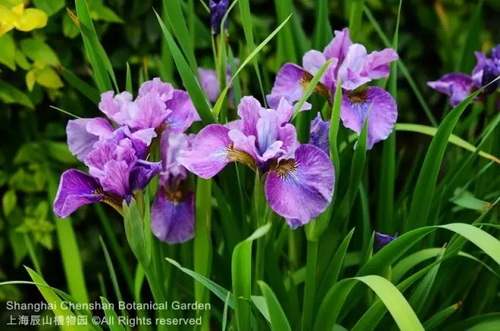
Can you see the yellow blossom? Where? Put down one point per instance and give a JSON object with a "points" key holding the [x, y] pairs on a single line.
{"points": [[20, 18]]}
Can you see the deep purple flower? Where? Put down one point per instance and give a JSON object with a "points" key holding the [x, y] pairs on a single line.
{"points": [[458, 85], [382, 240], [374, 103], [218, 9], [116, 170], [172, 213], [319, 134], [354, 67], [299, 181]]}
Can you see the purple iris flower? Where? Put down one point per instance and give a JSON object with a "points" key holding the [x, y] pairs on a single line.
{"points": [[218, 9], [459, 85], [117, 168], [299, 178], [210, 81], [172, 213], [354, 67], [382, 240]]}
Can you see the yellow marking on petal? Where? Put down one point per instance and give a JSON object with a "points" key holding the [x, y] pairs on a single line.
{"points": [[285, 168], [320, 88], [241, 156]]}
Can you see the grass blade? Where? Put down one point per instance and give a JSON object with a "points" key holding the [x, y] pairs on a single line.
{"points": [[278, 318]]}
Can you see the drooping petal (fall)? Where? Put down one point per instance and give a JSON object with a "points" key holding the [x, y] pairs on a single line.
{"points": [[300, 189]]}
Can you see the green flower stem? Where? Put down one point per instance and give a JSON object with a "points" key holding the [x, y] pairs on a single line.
{"points": [[310, 285]]}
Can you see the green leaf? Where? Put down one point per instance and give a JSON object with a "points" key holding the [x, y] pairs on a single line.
{"points": [[100, 12], [135, 232], [249, 58], [50, 7], [437, 319], [395, 302], [8, 53], [216, 289], [47, 77], [322, 28], [355, 18], [424, 188], [10, 94], [37, 50], [69, 28], [9, 202], [241, 274], [188, 78], [277, 316], [110, 314]]}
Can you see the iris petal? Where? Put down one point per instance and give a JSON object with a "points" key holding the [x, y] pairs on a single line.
{"points": [[172, 221], [76, 189], [300, 189]]}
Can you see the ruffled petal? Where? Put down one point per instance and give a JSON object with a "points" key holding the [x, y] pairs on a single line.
{"points": [[209, 153], [172, 221], [117, 107], [152, 112], [301, 189], [171, 146], [381, 117], [209, 83], [76, 189], [351, 70], [319, 134], [456, 85], [182, 112], [163, 90]]}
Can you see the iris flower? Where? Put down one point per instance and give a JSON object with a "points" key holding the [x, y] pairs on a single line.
{"points": [[382, 240], [354, 67], [172, 213], [117, 158], [459, 85], [218, 9], [299, 179]]}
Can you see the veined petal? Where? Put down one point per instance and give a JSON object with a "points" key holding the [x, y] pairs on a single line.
{"points": [[209, 152], [172, 220], [76, 189], [378, 105], [477, 72], [290, 83], [248, 111], [152, 112], [171, 146], [181, 112], [164, 90], [351, 70], [456, 85], [339, 46], [300, 189], [115, 178], [83, 133], [117, 107]]}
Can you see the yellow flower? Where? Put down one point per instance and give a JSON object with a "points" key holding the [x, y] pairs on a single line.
{"points": [[20, 18]]}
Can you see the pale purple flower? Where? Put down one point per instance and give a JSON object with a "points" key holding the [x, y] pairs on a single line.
{"points": [[172, 213], [116, 169], [218, 9], [209, 83], [382, 240], [354, 67], [459, 86], [299, 178], [349, 62]]}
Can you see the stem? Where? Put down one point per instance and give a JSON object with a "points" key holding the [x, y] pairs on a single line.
{"points": [[310, 285]]}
